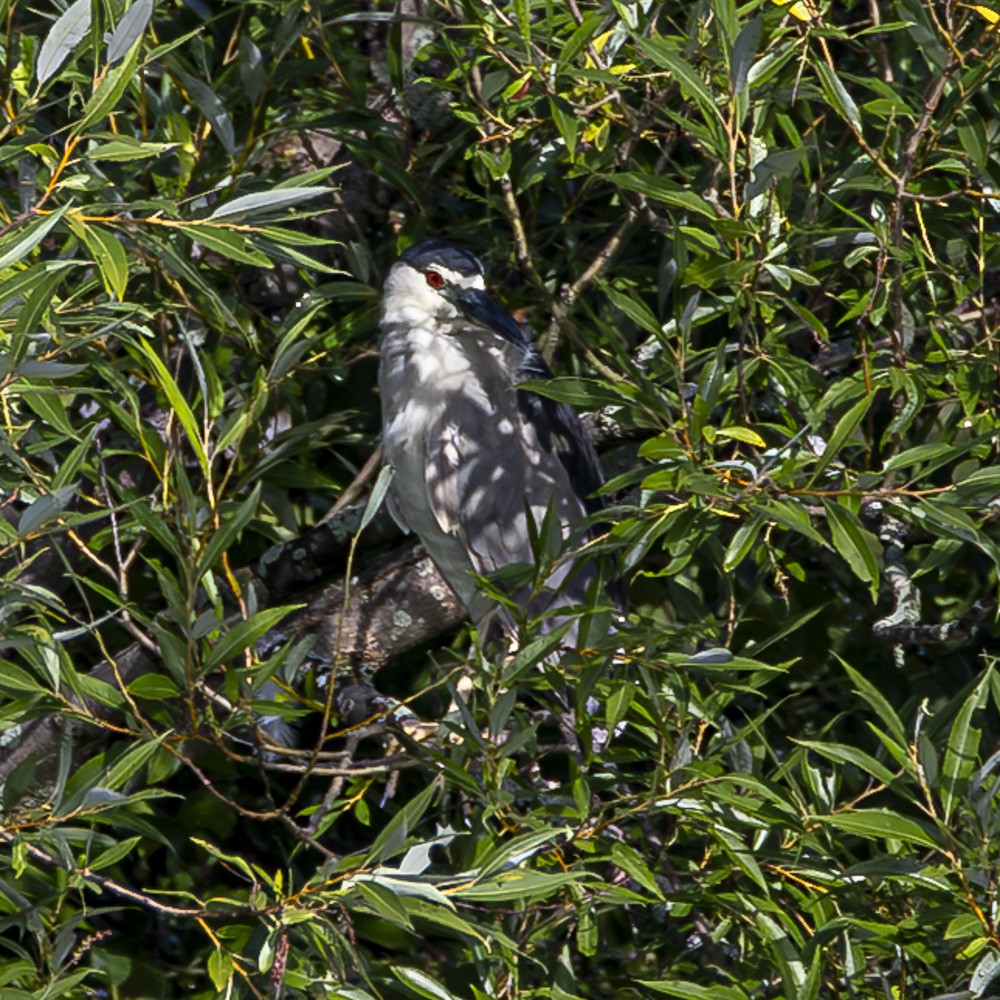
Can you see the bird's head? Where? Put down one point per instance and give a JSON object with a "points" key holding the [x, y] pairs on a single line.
{"points": [[435, 283]]}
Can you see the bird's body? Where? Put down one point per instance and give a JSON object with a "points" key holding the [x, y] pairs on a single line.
{"points": [[473, 456]]}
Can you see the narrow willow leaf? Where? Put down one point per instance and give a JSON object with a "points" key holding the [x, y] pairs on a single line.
{"points": [[22, 240], [741, 434], [922, 453], [268, 201], [233, 524], [113, 854], [252, 70], [786, 955], [44, 509], [844, 754], [228, 242], [664, 191], [422, 984], [587, 937], [177, 401], [837, 94], [519, 849], [632, 863], [125, 148], [744, 54], [692, 991], [519, 884], [128, 765], [878, 824], [854, 544], [393, 836], [65, 35], [108, 254], [877, 701], [44, 369], [692, 85], [156, 687], [636, 310], [567, 123], [791, 515], [208, 103], [842, 431], [244, 634], [129, 29], [109, 91], [962, 753], [378, 493]]}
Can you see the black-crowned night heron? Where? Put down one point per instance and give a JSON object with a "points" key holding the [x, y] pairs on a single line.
{"points": [[474, 456]]}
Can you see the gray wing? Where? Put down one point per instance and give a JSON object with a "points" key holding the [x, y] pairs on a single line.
{"points": [[476, 483], [487, 470], [562, 434]]}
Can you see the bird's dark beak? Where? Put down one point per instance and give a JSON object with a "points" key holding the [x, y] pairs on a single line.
{"points": [[478, 305]]}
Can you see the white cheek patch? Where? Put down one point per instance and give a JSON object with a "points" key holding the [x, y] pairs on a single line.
{"points": [[456, 280]]}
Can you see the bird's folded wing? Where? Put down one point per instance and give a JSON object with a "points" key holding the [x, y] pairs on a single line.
{"points": [[476, 485]]}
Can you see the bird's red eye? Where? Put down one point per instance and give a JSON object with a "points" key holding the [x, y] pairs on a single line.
{"points": [[434, 279]]}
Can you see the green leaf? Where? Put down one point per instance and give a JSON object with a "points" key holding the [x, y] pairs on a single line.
{"points": [[741, 434], [878, 824], [156, 687], [844, 754], [877, 701], [845, 427], [393, 835], [244, 634], [742, 542], [519, 884], [177, 401], [64, 36], [854, 544], [837, 95], [44, 509], [692, 991], [220, 969], [567, 123], [790, 515], [745, 54], [18, 243], [631, 861], [208, 103], [422, 984], [517, 850], [112, 855], [131, 762], [228, 242], [962, 752], [123, 149], [664, 54], [108, 254], [233, 523], [109, 91], [666, 192]]}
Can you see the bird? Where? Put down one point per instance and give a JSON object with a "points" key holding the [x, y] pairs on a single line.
{"points": [[474, 456]]}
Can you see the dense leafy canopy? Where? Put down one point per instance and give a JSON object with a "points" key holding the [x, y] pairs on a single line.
{"points": [[760, 242]]}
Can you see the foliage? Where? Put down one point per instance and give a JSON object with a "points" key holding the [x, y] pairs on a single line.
{"points": [[763, 241]]}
